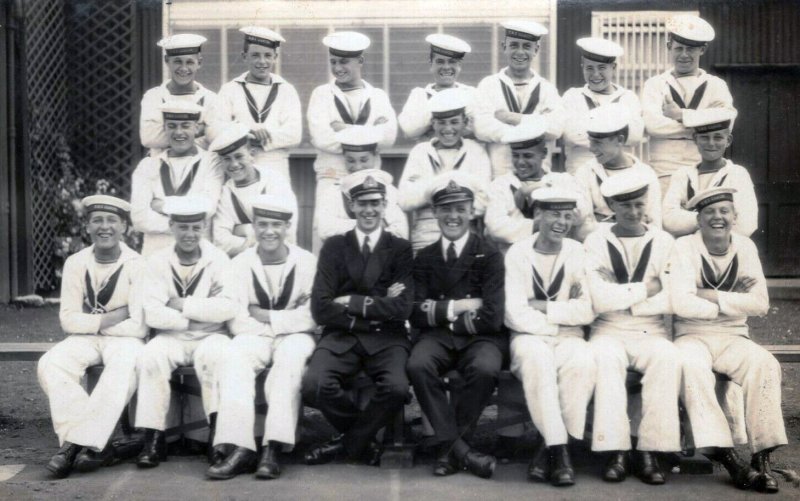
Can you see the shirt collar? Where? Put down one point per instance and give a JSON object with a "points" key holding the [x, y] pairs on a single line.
{"points": [[373, 237], [460, 243]]}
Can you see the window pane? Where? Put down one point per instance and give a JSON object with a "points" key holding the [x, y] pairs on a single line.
{"points": [[478, 63], [236, 65], [408, 67], [209, 75], [304, 63]]}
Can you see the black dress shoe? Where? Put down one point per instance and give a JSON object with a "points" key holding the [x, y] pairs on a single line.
{"points": [[539, 467], [479, 464], [562, 473], [647, 468], [325, 453], [60, 464], [764, 481], [372, 454], [616, 469], [742, 474], [154, 450], [241, 460], [446, 463], [89, 460], [268, 467]]}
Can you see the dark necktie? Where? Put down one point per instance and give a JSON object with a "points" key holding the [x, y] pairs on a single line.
{"points": [[451, 254], [365, 249]]}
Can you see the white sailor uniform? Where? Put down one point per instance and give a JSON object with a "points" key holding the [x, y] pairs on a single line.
{"points": [[162, 176], [424, 163], [362, 106], [332, 215], [591, 176], [577, 101], [235, 209], [274, 107], [197, 335], [548, 352], [415, 118], [330, 104], [686, 183], [506, 222], [88, 289], [284, 345], [151, 119], [671, 144], [714, 337], [497, 92], [629, 332]]}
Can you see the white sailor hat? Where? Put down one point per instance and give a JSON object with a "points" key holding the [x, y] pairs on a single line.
{"points": [[626, 185], [448, 45], [230, 139], [710, 197], [607, 120], [366, 184], [600, 49], [346, 43], [106, 203], [180, 110], [554, 198], [188, 208], [451, 187], [359, 138], [272, 206], [182, 45], [690, 30], [447, 103], [709, 119], [527, 134], [262, 36], [526, 30]]}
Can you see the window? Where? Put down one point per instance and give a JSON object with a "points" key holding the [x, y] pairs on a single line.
{"points": [[397, 60], [643, 35]]}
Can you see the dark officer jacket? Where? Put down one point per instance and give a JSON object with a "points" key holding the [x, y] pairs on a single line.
{"points": [[375, 320], [479, 272]]}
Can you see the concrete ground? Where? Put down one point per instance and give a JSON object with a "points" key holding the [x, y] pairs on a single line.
{"points": [[182, 478], [27, 441]]}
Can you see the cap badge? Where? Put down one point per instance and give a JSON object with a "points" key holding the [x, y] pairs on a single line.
{"points": [[370, 182], [452, 187]]}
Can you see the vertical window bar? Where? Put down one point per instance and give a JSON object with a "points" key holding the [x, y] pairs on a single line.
{"points": [[495, 47], [386, 58], [223, 56]]}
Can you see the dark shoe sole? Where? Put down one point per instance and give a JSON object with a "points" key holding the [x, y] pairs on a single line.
{"points": [[57, 472]]}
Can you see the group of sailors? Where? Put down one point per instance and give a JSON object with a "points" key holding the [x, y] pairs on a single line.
{"points": [[487, 255]]}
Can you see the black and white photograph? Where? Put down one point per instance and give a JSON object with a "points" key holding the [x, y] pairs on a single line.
{"points": [[399, 249]]}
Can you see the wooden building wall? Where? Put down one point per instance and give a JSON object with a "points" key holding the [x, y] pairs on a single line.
{"points": [[756, 53]]}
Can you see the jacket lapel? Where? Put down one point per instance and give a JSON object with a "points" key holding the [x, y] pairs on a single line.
{"points": [[352, 257]]}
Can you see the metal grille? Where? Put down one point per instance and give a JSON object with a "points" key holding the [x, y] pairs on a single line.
{"points": [[47, 100], [101, 91]]}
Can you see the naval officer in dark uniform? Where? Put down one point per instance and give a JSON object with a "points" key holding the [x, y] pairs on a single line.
{"points": [[362, 295], [458, 307]]}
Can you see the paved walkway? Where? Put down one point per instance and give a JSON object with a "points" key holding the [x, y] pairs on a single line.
{"points": [[182, 478]]}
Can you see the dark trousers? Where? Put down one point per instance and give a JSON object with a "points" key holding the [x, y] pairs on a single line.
{"points": [[479, 365], [327, 375]]}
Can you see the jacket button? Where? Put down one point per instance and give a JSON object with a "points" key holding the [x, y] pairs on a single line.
{"points": [[441, 296], [468, 296]]}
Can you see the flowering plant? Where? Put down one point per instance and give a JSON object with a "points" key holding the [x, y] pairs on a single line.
{"points": [[69, 235]]}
